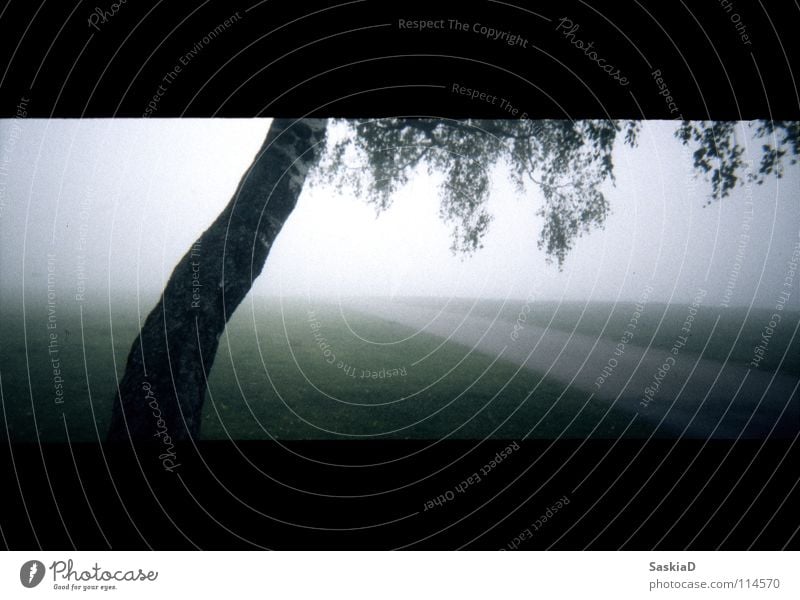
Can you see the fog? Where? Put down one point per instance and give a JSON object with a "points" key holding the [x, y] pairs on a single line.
{"points": [[113, 204]]}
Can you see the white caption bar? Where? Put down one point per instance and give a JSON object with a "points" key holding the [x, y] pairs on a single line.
{"points": [[389, 576]]}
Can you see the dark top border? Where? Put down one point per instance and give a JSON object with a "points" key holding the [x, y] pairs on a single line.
{"points": [[647, 59]]}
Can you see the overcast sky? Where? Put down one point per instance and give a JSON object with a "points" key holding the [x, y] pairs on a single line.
{"points": [[137, 193]]}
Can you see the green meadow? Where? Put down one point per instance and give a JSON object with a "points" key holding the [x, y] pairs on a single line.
{"points": [[734, 335], [290, 370]]}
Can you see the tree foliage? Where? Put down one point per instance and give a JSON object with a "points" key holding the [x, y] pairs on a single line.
{"points": [[722, 158], [567, 161]]}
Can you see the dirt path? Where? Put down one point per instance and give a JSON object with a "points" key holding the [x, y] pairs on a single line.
{"points": [[696, 397]]}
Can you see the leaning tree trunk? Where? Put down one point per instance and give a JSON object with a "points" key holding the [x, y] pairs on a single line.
{"points": [[162, 391]]}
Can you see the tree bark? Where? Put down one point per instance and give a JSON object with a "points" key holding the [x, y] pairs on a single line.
{"points": [[162, 392]]}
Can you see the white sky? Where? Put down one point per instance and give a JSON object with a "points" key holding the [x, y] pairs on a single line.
{"points": [[151, 187]]}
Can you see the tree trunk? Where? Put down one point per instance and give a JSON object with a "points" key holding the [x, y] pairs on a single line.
{"points": [[162, 391]]}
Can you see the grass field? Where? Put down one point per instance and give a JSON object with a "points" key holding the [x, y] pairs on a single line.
{"points": [[735, 335], [293, 371]]}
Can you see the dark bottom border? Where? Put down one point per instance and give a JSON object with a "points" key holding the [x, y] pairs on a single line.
{"points": [[566, 495]]}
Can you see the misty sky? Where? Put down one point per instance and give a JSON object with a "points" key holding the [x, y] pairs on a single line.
{"points": [[128, 197]]}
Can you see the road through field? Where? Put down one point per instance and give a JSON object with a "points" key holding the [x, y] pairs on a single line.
{"points": [[689, 395]]}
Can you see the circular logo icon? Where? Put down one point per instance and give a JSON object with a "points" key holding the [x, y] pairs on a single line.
{"points": [[31, 573]]}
